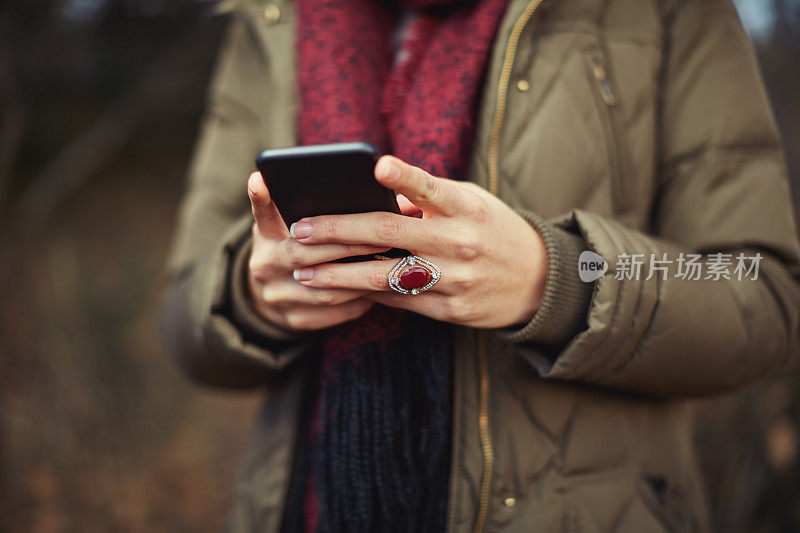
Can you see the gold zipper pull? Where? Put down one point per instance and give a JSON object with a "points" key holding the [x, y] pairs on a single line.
{"points": [[599, 72]]}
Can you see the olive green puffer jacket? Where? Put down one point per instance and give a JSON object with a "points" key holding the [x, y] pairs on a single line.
{"points": [[622, 127]]}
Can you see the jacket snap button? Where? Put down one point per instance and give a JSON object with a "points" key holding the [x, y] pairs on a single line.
{"points": [[510, 501], [272, 13], [523, 85]]}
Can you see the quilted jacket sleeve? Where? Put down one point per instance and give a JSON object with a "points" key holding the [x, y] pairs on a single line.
{"points": [[722, 190], [207, 319]]}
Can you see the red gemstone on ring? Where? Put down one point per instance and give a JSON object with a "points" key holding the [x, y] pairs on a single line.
{"points": [[415, 278]]}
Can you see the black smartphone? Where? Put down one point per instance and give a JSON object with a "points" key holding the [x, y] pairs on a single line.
{"points": [[327, 179]]}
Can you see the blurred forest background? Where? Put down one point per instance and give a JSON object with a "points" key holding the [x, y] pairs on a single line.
{"points": [[99, 107]]}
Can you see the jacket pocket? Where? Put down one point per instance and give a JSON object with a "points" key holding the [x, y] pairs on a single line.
{"points": [[607, 102]]}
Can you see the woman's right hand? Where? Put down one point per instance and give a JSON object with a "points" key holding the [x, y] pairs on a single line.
{"points": [[275, 294]]}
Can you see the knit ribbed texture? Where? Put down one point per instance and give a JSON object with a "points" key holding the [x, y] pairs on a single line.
{"points": [[565, 304]]}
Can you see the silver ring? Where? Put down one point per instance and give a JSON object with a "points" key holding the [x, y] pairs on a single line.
{"points": [[413, 275]]}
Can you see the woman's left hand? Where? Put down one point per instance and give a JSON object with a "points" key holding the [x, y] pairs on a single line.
{"points": [[493, 262]]}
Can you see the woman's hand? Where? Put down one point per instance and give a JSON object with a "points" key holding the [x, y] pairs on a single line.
{"points": [[274, 292], [493, 262]]}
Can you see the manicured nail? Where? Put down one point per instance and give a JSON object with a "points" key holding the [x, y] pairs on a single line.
{"points": [[389, 169], [303, 274], [300, 230]]}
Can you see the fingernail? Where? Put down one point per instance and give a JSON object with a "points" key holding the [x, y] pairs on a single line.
{"points": [[300, 230], [390, 169], [303, 274]]}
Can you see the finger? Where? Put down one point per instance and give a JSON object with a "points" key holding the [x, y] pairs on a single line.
{"points": [[291, 254], [429, 193], [268, 220], [316, 317], [407, 208], [289, 293], [364, 276], [378, 229]]}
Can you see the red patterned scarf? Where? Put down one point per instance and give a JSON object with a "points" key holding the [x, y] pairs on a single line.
{"points": [[421, 109], [375, 451]]}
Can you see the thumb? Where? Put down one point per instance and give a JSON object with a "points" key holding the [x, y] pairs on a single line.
{"points": [[407, 208], [427, 192], [265, 212]]}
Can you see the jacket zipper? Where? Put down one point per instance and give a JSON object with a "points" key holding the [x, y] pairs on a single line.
{"points": [[484, 432], [609, 103], [502, 91]]}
